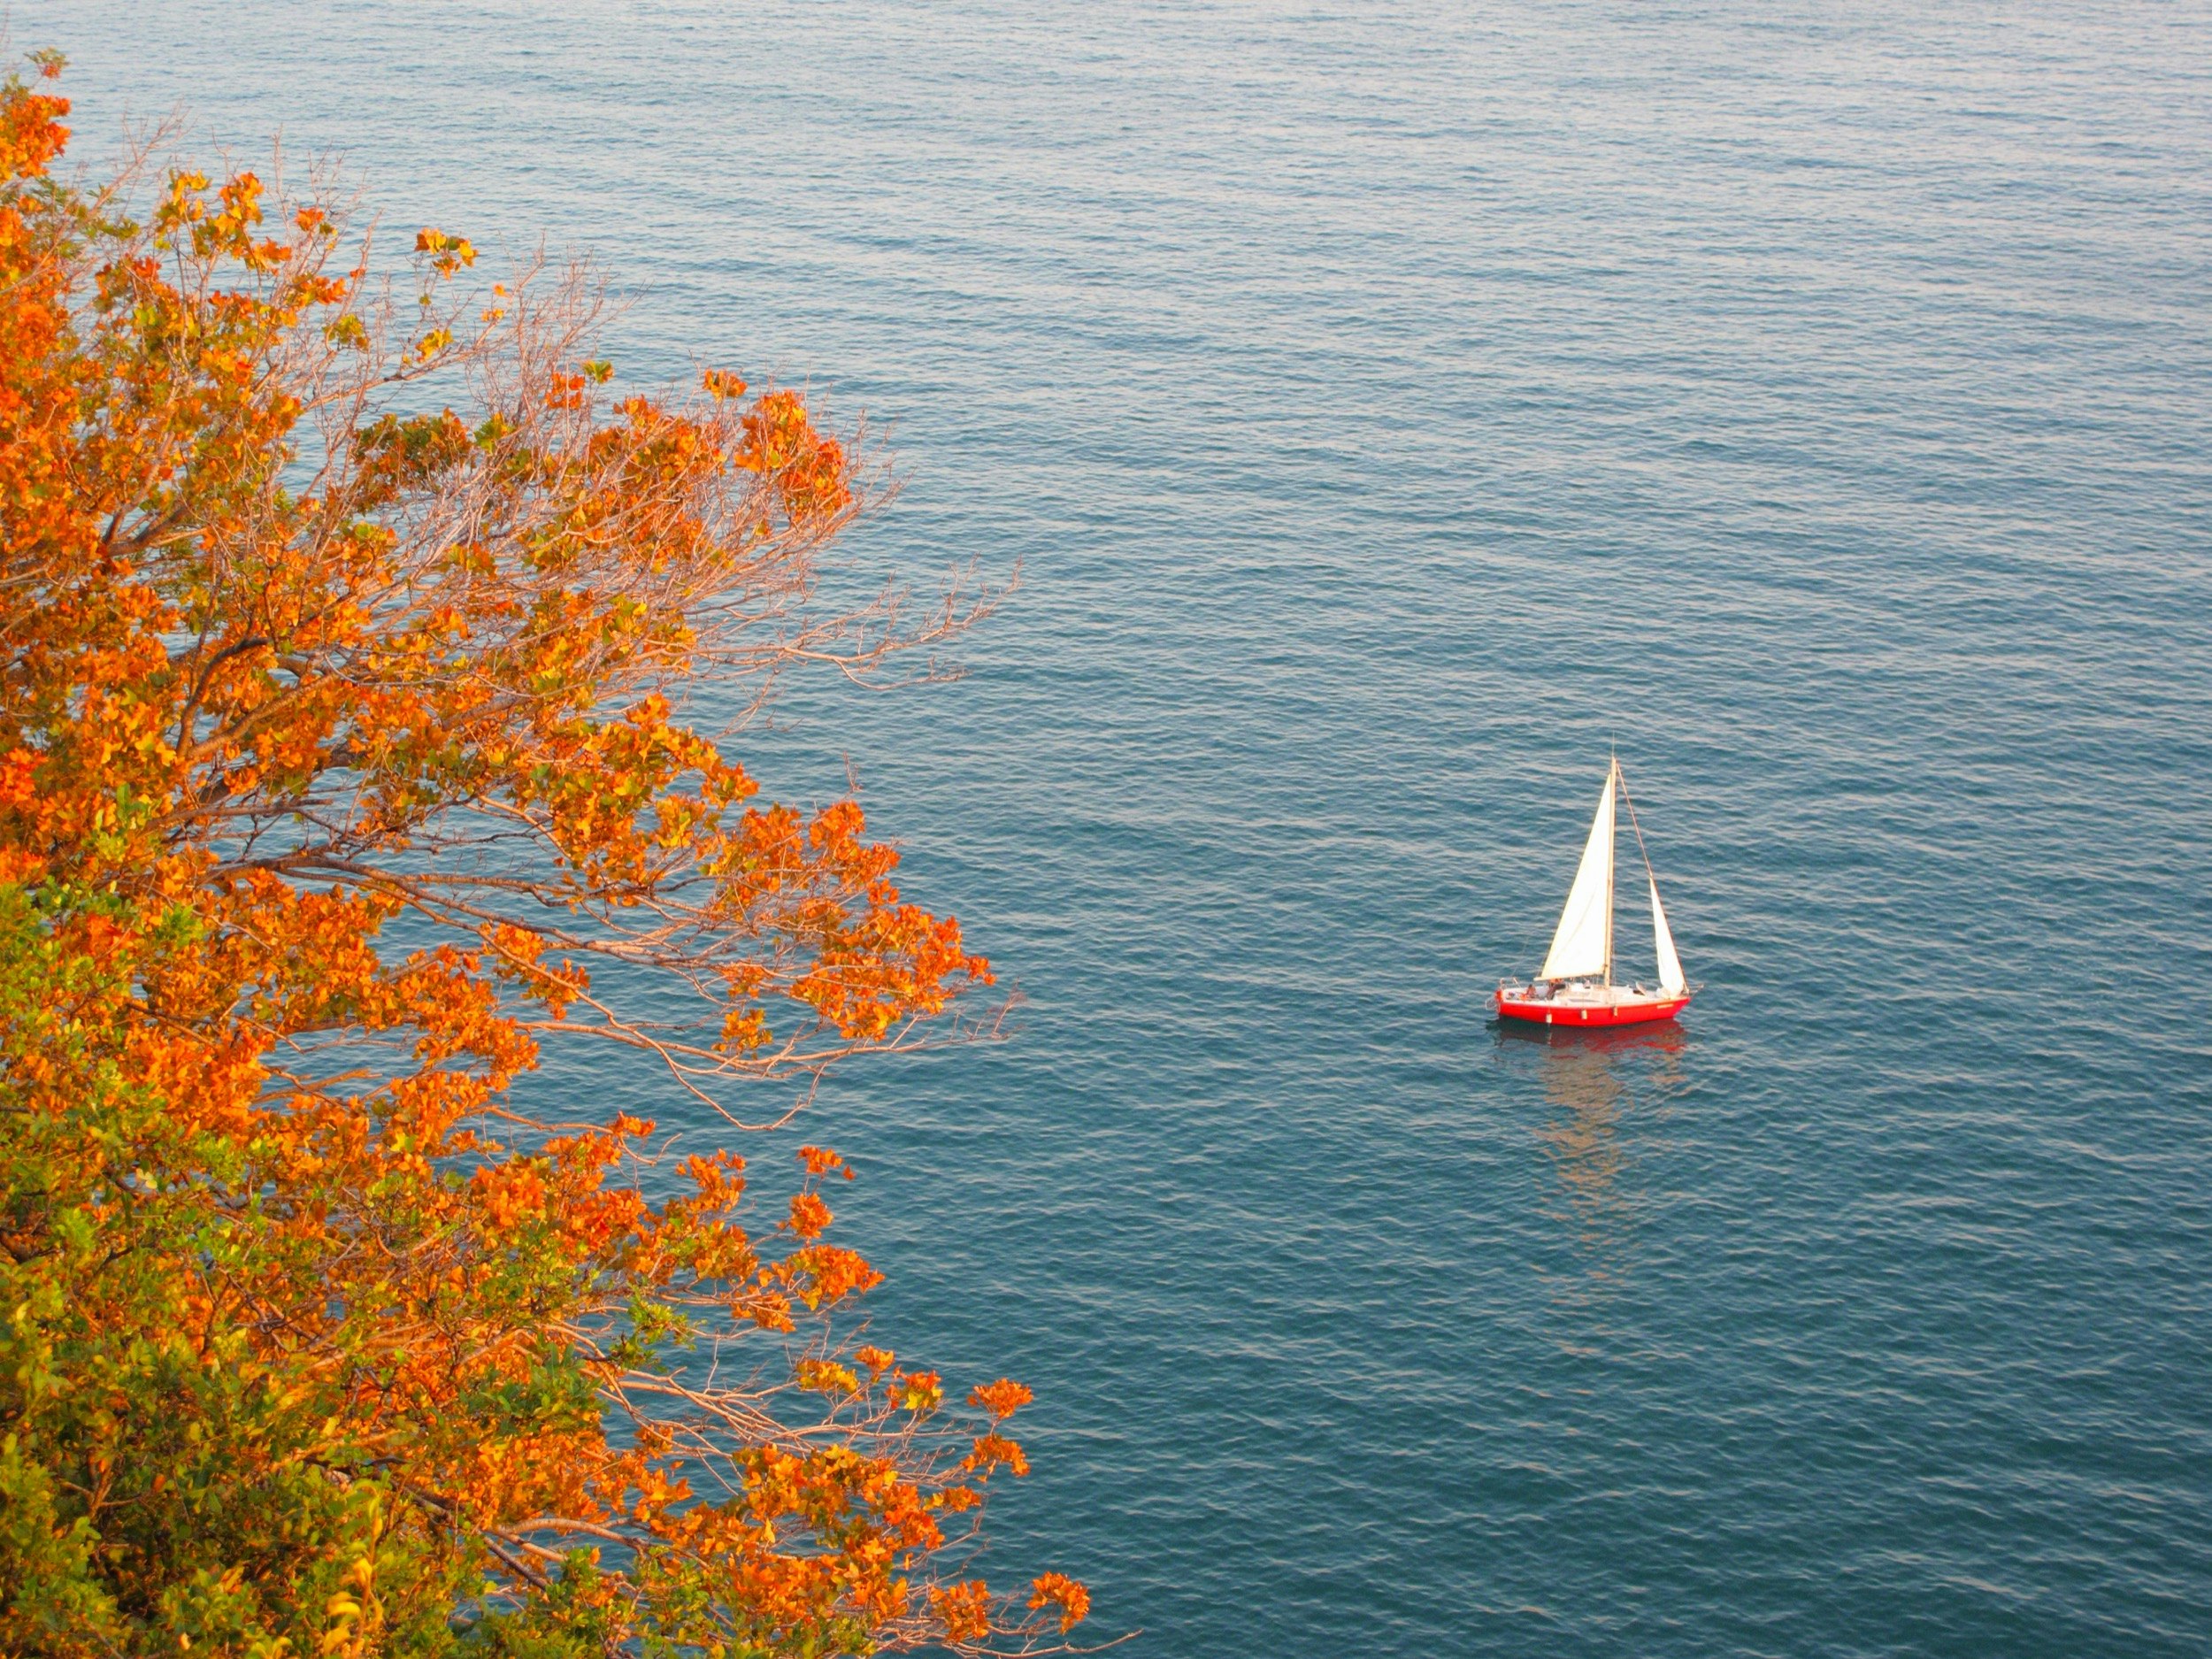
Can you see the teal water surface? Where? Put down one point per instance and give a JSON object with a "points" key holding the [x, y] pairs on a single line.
{"points": [[1391, 407]]}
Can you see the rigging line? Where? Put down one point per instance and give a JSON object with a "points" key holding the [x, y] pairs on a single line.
{"points": [[1635, 826]]}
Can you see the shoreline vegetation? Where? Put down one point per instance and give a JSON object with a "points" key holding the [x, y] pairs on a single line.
{"points": [[346, 622]]}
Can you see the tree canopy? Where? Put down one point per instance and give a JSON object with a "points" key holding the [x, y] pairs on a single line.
{"points": [[347, 627]]}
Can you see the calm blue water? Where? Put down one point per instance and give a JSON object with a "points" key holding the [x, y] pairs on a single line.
{"points": [[1391, 406]]}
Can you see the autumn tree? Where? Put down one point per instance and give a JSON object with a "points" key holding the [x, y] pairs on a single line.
{"points": [[348, 624]]}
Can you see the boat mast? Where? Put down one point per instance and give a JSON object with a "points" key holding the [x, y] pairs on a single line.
{"points": [[1612, 782]]}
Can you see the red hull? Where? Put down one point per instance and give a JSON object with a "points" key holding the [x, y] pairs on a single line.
{"points": [[1558, 1012]]}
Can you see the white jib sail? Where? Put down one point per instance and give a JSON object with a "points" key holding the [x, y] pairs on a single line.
{"points": [[1584, 940], [1670, 980]]}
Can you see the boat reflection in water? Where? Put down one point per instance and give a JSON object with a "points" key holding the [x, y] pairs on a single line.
{"points": [[1606, 1092]]}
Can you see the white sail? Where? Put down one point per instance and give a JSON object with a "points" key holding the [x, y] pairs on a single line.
{"points": [[1670, 980], [1584, 942]]}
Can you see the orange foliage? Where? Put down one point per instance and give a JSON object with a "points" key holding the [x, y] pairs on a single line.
{"points": [[1058, 1590], [340, 772], [1002, 1399]]}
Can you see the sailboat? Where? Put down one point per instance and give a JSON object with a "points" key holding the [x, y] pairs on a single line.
{"points": [[1575, 987]]}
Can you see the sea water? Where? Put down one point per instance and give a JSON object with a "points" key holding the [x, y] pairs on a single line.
{"points": [[1392, 408]]}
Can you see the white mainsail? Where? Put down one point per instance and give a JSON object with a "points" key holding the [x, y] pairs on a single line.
{"points": [[1670, 980], [1584, 942]]}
